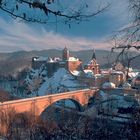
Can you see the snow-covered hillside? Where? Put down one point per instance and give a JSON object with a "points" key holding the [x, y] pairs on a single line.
{"points": [[40, 84]]}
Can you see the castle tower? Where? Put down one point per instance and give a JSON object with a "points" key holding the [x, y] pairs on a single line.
{"points": [[65, 54]]}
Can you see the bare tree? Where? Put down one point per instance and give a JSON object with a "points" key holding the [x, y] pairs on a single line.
{"points": [[126, 55], [134, 28], [131, 33], [127, 39], [35, 84], [129, 36], [43, 11]]}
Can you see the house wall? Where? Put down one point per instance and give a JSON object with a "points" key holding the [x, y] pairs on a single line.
{"points": [[74, 65], [117, 79]]}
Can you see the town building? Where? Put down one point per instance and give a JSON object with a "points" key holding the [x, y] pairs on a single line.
{"points": [[93, 65], [117, 77]]}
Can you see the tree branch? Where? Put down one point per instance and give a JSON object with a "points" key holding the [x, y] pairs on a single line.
{"points": [[76, 15]]}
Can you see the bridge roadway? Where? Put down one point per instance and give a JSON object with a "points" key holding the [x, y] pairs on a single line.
{"points": [[39, 104]]}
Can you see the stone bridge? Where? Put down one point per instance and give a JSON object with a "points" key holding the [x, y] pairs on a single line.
{"points": [[39, 104]]}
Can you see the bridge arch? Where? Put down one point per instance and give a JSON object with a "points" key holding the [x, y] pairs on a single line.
{"points": [[55, 111], [63, 102], [75, 101]]}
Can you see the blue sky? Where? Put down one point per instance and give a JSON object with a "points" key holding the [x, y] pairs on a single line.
{"points": [[15, 36]]}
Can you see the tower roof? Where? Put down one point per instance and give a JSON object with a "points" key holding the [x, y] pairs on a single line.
{"points": [[93, 56], [65, 48]]}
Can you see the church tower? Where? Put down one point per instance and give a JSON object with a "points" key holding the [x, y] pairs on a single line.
{"points": [[65, 55], [93, 56], [93, 65]]}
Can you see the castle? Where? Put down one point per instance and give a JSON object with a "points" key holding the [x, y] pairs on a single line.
{"points": [[67, 61]]}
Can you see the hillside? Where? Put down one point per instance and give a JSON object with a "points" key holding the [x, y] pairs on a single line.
{"points": [[39, 83]]}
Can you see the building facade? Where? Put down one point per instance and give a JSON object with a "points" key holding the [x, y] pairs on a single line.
{"points": [[93, 65]]}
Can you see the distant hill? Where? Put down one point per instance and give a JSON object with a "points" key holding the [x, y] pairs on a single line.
{"points": [[85, 56], [13, 62]]}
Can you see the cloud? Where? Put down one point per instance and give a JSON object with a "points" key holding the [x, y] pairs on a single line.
{"points": [[15, 36]]}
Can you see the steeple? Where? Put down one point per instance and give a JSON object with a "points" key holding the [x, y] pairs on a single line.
{"points": [[93, 56]]}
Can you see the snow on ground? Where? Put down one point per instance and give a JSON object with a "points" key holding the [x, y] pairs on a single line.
{"points": [[110, 104], [60, 81]]}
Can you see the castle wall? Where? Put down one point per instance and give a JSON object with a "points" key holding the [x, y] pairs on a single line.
{"points": [[37, 64], [51, 67]]}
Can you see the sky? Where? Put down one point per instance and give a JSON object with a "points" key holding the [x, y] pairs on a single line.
{"points": [[95, 33]]}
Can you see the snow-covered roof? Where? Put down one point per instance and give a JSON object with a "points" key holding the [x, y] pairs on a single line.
{"points": [[108, 85], [73, 59], [75, 72], [88, 73], [137, 78], [41, 58], [52, 60], [130, 69], [105, 71], [133, 74], [89, 63], [47, 59], [117, 72], [99, 75], [57, 59]]}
